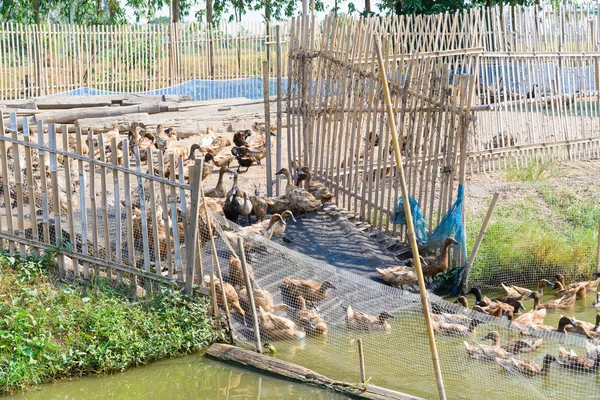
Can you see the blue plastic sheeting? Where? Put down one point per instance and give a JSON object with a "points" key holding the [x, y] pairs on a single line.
{"points": [[451, 225], [417, 217], [197, 89]]}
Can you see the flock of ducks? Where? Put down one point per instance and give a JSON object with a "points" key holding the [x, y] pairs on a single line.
{"points": [[527, 324]]}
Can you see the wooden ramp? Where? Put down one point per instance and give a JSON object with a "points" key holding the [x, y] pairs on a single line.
{"points": [[284, 369]]}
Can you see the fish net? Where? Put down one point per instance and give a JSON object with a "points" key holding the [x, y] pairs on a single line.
{"points": [[398, 358]]}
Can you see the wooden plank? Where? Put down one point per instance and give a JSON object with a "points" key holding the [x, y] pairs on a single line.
{"points": [[153, 213], [117, 205], [55, 196], [165, 216], [44, 172], [172, 202], [192, 230], [104, 204], [70, 116], [287, 370], [143, 212]]}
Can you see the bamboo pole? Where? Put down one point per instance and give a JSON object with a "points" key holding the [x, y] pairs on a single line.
{"points": [[361, 356], [217, 264], [598, 251], [465, 276], [279, 105], [191, 238], [410, 228], [267, 127], [250, 293]]}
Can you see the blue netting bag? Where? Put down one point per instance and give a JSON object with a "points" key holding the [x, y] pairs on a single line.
{"points": [[451, 225], [417, 217]]}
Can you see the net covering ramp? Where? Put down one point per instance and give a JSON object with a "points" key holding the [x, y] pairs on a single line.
{"points": [[397, 358]]}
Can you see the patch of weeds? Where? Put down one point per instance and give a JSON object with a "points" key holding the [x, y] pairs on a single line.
{"points": [[532, 171], [51, 332]]}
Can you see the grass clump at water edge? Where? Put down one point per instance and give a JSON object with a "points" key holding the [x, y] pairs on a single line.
{"points": [[50, 331]]}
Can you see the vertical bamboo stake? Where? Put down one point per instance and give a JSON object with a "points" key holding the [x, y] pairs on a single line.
{"points": [[279, 106], [43, 176], [191, 239], [410, 228], [92, 194], [213, 295], [267, 127], [250, 293], [104, 204], [465, 276], [217, 264], [18, 185], [361, 356], [30, 193], [82, 196]]}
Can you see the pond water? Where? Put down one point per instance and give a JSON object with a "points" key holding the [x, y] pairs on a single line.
{"points": [[397, 360], [191, 377]]}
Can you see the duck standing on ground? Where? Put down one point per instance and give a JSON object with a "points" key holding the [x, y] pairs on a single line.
{"points": [[398, 276], [244, 157], [434, 265], [259, 206], [219, 190], [231, 295], [239, 138], [300, 200], [361, 322], [317, 189]]}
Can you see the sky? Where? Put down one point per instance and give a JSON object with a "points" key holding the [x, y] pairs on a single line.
{"points": [[257, 15]]}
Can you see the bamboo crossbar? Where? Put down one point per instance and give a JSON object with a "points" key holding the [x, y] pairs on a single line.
{"points": [[89, 160]]}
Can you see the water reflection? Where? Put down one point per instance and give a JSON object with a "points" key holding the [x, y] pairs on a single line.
{"points": [[193, 377]]}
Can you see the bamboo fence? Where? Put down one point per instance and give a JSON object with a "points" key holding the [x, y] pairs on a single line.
{"points": [[108, 213], [40, 60]]}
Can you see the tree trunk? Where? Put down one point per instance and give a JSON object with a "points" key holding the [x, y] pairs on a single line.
{"points": [[175, 11], [367, 7], [209, 23], [36, 11]]}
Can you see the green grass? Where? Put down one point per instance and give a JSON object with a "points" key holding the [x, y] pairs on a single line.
{"points": [[553, 227], [534, 170], [50, 331]]}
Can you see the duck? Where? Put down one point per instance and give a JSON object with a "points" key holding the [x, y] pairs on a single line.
{"points": [[231, 295], [300, 200], [533, 317], [434, 265], [596, 303], [262, 298], [526, 367], [279, 227], [361, 322], [514, 346], [593, 284], [398, 276], [583, 327], [260, 206], [592, 332], [233, 208], [141, 142], [450, 318], [244, 157], [559, 284], [562, 324], [480, 300], [246, 207], [252, 235], [236, 272], [112, 134], [485, 352], [277, 327], [452, 329], [579, 289], [564, 303], [239, 138], [317, 189], [310, 290], [219, 190], [520, 292], [216, 145], [309, 320], [224, 158], [261, 127], [462, 300], [569, 359]]}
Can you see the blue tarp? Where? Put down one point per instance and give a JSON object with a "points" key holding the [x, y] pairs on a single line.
{"points": [[198, 89], [417, 217]]}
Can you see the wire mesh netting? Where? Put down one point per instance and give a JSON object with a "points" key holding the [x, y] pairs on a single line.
{"points": [[320, 331]]}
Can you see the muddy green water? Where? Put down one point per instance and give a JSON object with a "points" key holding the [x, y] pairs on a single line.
{"points": [[398, 360], [192, 377]]}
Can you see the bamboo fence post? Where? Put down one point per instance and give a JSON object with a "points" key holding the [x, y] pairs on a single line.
{"points": [[82, 202], [104, 204], [213, 295], [143, 213], [172, 202], [240, 243], [55, 197], [117, 202], [465, 275], [92, 194], [129, 215], [267, 127], [43, 177], [409, 223], [18, 175], [217, 264], [30, 193], [191, 238], [279, 106], [361, 356]]}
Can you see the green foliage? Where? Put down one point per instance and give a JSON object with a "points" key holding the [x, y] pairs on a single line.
{"points": [[535, 170], [554, 227], [400, 7], [49, 332]]}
